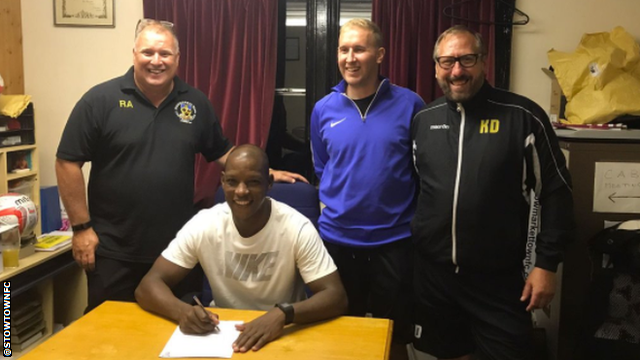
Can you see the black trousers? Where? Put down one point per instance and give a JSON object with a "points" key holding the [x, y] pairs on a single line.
{"points": [[471, 312], [117, 280], [379, 281]]}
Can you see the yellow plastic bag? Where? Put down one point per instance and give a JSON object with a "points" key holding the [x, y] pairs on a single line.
{"points": [[13, 105], [601, 79]]}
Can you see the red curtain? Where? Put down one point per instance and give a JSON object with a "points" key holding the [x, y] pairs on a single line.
{"points": [[411, 28], [228, 50]]}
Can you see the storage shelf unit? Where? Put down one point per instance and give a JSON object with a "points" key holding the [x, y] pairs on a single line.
{"points": [[51, 277], [59, 284], [19, 160]]}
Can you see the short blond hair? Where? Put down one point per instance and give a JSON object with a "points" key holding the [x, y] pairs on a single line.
{"points": [[157, 25], [367, 25]]}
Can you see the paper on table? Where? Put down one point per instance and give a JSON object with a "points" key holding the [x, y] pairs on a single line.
{"points": [[216, 344]]}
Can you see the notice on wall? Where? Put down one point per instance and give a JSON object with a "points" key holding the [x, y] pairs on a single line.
{"points": [[616, 187]]}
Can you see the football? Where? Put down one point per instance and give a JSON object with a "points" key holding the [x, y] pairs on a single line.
{"points": [[19, 209]]}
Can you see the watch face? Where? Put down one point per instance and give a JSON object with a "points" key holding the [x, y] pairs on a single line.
{"points": [[288, 311]]}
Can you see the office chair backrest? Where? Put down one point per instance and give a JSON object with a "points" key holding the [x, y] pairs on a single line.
{"points": [[300, 196]]}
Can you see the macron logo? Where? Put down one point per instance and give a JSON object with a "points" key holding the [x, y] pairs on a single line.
{"points": [[334, 123], [439, 127]]}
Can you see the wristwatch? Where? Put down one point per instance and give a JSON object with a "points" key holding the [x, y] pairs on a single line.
{"points": [[287, 309], [82, 226]]}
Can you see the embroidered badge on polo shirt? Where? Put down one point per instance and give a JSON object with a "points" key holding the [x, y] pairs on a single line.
{"points": [[185, 111]]}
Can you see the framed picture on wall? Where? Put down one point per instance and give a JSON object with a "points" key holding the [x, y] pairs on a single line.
{"points": [[83, 13]]}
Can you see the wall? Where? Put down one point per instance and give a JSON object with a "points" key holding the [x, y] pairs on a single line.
{"points": [[560, 25], [11, 47], [62, 63]]}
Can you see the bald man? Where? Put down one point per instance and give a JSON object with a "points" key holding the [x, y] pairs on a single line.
{"points": [[273, 240]]}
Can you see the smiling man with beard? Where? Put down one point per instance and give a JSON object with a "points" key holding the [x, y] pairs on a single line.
{"points": [[484, 158], [256, 253]]}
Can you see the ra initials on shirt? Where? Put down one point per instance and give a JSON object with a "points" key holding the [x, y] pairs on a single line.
{"points": [[489, 126], [249, 267], [126, 104]]}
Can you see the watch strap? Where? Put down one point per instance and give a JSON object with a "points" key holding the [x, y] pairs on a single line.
{"points": [[82, 226], [288, 311]]}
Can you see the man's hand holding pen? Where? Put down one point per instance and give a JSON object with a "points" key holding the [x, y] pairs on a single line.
{"points": [[198, 320]]}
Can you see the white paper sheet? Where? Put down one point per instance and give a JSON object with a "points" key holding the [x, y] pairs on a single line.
{"points": [[216, 344]]}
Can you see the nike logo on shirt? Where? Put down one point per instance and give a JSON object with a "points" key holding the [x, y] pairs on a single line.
{"points": [[334, 123]]}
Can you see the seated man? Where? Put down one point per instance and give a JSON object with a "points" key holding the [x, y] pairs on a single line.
{"points": [[252, 249]]}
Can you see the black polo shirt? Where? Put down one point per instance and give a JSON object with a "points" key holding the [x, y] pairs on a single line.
{"points": [[142, 162]]}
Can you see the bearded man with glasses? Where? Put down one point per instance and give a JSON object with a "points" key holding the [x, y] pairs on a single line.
{"points": [[493, 187], [141, 132]]}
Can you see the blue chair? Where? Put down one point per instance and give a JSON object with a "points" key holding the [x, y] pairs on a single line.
{"points": [[300, 196]]}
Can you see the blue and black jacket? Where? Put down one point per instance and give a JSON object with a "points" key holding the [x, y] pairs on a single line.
{"points": [[482, 165], [363, 161]]}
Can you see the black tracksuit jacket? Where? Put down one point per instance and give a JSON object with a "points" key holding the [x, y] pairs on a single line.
{"points": [[478, 163]]}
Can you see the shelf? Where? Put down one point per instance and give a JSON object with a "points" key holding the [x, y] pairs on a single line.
{"points": [[5, 149], [15, 131], [15, 146], [33, 260], [14, 176], [18, 354], [59, 284], [45, 291], [53, 277]]}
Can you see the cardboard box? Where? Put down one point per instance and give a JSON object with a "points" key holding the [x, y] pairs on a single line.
{"points": [[558, 101]]}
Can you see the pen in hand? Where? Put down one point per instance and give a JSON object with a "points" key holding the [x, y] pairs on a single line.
{"points": [[195, 298]]}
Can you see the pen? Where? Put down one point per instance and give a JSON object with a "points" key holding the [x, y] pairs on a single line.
{"points": [[195, 298]]}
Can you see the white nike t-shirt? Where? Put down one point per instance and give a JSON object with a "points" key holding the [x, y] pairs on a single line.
{"points": [[256, 272]]}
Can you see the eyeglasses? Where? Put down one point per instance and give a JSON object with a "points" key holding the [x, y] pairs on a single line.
{"points": [[466, 61], [143, 23]]}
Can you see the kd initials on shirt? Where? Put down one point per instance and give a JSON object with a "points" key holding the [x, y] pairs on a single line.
{"points": [[489, 126]]}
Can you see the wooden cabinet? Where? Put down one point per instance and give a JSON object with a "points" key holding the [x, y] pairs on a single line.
{"points": [[44, 276], [56, 281], [19, 161], [587, 151]]}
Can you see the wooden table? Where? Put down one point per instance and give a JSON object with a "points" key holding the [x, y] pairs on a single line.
{"points": [[118, 330]]}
